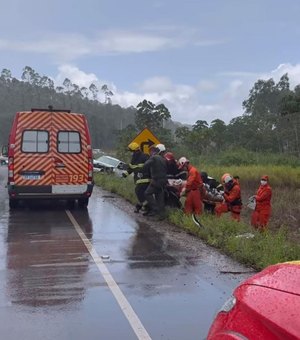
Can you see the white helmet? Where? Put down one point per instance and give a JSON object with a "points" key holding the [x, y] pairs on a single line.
{"points": [[227, 179], [182, 161], [160, 147]]}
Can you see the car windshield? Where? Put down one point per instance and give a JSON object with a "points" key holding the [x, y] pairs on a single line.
{"points": [[109, 160]]}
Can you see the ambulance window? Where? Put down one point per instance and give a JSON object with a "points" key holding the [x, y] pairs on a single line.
{"points": [[68, 142], [35, 141]]}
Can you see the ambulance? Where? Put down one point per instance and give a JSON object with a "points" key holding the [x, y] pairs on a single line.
{"points": [[50, 157]]}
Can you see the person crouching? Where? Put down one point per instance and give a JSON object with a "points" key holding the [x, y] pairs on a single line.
{"points": [[232, 198]]}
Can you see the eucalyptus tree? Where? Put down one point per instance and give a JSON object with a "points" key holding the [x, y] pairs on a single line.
{"points": [[94, 90], [107, 93], [6, 75]]}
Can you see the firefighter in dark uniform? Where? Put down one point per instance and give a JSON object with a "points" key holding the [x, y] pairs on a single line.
{"points": [[141, 177], [157, 166]]}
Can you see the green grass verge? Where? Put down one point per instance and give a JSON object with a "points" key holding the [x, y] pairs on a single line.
{"points": [[258, 252]]}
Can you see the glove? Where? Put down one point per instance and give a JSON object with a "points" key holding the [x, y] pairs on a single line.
{"points": [[178, 181]]}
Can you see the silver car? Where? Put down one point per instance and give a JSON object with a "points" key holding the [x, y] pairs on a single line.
{"points": [[109, 164]]}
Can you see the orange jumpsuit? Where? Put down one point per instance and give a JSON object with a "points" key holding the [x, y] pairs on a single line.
{"points": [[193, 202], [261, 215], [233, 202]]}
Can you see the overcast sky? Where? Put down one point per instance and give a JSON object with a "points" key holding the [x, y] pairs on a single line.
{"points": [[198, 57]]}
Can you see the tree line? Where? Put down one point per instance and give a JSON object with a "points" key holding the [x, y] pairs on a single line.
{"points": [[36, 91], [270, 122]]}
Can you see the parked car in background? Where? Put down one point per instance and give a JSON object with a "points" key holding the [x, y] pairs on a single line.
{"points": [[265, 306], [110, 165]]}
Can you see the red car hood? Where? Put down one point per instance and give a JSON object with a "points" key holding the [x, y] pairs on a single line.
{"points": [[283, 276]]}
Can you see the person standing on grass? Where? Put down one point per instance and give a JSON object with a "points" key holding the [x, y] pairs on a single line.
{"points": [[193, 188], [232, 198], [141, 178], [156, 165], [261, 215]]}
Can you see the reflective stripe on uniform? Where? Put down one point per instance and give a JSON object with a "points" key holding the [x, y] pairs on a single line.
{"points": [[136, 166], [143, 180]]}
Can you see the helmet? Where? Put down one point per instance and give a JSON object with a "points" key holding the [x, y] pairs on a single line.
{"points": [[169, 156], [227, 179], [160, 147], [182, 162], [133, 146], [223, 177]]}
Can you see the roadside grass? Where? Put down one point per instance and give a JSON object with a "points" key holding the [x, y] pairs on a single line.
{"points": [[279, 175], [263, 249], [229, 236]]}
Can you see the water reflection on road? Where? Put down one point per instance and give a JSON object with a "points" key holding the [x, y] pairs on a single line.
{"points": [[46, 261]]}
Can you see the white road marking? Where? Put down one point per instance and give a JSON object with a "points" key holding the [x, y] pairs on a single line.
{"points": [[125, 306]]}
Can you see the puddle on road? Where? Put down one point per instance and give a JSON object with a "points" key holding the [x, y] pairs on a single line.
{"points": [[149, 248]]}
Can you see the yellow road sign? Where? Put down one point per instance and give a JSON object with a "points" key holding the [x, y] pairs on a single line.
{"points": [[145, 140]]}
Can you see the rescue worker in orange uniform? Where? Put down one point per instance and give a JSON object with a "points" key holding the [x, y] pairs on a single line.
{"points": [[192, 189], [261, 215], [232, 198]]}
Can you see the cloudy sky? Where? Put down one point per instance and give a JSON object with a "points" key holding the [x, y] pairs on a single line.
{"points": [[199, 57]]}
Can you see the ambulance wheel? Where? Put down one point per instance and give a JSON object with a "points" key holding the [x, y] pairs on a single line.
{"points": [[83, 202], [13, 203]]}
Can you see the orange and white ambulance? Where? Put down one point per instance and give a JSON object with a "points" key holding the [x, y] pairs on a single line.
{"points": [[50, 156]]}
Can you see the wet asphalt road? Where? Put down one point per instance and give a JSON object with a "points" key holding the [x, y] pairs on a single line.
{"points": [[53, 287]]}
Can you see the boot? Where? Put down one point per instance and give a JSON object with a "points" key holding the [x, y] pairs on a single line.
{"points": [[145, 206], [138, 207]]}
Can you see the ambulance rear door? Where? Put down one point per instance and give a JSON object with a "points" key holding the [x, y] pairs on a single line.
{"points": [[32, 153], [70, 155]]}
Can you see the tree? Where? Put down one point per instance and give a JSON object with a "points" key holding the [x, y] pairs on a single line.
{"points": [[46, 82], [67, 85], [267, 103], [218, 134], [94, 90], [84, 91], [108, 94], [151, 116], [6, 75], [181, 133], [30, 76], [200, 125]]}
